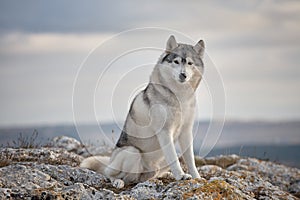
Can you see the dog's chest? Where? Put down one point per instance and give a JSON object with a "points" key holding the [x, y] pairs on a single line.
{"points": [[183, 117]]}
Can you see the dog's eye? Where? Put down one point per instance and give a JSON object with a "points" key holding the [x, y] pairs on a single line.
{"points": [[176, 62], [190, 63]]}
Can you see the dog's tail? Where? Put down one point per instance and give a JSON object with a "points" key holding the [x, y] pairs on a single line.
{"points": [[96, 163], [125, 163]]}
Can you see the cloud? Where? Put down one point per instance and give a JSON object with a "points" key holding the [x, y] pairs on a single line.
{"points": [[103, 16], [254, 44], [58, 16], [41, 43], [230, 23]]}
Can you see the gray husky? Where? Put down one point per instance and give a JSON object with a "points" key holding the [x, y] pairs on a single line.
{"points": [[159, 116]]}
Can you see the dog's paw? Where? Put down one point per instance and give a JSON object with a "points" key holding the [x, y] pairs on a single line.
{"points": [[118, 183], [167, 175], [184, 177]]}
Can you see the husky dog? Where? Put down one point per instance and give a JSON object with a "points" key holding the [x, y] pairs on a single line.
{"points": [[160, 115]]}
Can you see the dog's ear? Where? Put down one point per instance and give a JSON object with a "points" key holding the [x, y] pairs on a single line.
{"points": [[171, 44], [199, 48]]}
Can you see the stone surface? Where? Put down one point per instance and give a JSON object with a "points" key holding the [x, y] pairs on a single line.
{"points": [[53, 173], [42, 155], [72, 145]]}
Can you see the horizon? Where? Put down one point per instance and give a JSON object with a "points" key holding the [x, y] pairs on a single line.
{"points": [[243, 132], [91, 123]]}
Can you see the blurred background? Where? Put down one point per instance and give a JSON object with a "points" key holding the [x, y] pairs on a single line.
{"points": [[254, 45]]}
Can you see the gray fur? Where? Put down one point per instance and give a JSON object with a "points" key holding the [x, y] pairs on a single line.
{"points": [[123, 140], [160, 115]]}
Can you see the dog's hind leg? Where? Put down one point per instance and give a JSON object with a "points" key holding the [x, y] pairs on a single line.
{"points": [[125, 166], [96, 163], [164, 170]]}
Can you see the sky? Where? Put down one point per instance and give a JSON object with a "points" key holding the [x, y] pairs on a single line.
{"points": [[49, 47]]}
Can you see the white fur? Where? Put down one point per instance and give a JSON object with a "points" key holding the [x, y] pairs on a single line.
{"points": [[153, 131]]}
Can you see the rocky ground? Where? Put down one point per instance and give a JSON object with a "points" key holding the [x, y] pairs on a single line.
{"points": [[52, 173]]}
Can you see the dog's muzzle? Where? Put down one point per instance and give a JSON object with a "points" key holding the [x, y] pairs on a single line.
{"points": [[182, 77]]}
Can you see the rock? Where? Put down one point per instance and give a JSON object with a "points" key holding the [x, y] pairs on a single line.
{"points": [[286, 178], [42, 155], [72, 145], [250, 180], [188, 189], [222, 161], [199, 161], [294, 188], [53, 173], [24, 178], [151, 188], [79, 191], [39, 181], [68, 143], [215, 189]]}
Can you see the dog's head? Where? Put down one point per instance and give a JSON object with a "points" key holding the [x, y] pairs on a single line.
{"points": [[183, 62]]}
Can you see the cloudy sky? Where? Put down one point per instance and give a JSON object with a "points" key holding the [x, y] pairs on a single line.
{"points": [[253, 45]]}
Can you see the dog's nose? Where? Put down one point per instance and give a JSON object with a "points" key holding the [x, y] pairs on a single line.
{"points": [[182, 76]]}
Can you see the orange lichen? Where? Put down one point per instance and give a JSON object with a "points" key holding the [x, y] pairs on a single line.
{"points": [[216, 190]]}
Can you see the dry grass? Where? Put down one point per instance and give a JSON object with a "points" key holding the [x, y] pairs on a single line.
{"points": [[6, 158], [27, 142]]}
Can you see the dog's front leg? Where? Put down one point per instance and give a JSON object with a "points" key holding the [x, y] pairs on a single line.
{"points": [[186, 146], [168, 148]]}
